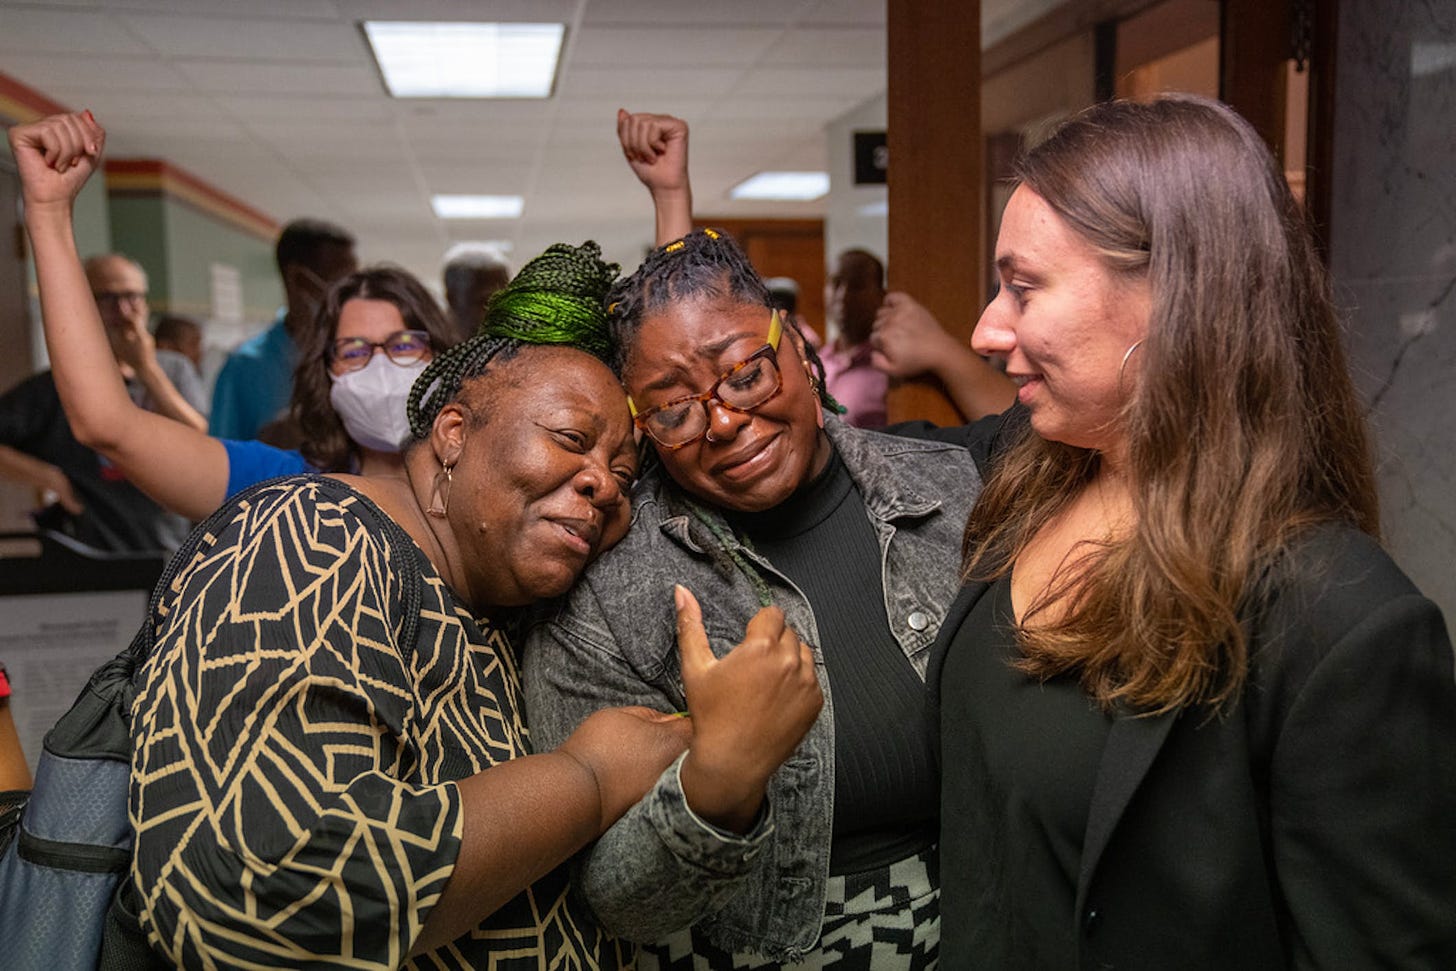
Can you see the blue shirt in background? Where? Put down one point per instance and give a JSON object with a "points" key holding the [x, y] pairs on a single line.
{"points": [[255, 384], [252, 462]]}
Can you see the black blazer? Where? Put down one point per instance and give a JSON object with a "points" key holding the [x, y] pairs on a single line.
{"points": [[1313, 825]]}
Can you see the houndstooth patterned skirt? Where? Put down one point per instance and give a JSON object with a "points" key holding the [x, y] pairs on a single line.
{"points": [[883, 920]]}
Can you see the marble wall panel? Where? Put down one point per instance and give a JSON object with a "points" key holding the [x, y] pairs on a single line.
{"points": [[1393, 258]]}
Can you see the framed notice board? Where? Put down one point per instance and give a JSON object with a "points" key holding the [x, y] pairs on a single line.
{"points": [[66, 611]]}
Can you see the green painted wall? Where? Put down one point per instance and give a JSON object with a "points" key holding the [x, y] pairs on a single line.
{"points": [[198, 241], [92, 218], [137, 229], [178, 243]]}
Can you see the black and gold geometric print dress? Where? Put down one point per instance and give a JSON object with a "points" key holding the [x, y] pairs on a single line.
{"points": [[298, 730]]}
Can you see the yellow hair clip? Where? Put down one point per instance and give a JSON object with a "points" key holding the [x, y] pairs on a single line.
{"points": [[673, 247]]}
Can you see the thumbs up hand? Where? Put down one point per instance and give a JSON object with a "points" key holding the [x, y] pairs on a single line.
{"points": [[750, 709]]}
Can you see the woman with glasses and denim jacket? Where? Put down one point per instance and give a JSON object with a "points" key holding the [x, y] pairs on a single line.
{"points": [[381, 327], [761, 496]]}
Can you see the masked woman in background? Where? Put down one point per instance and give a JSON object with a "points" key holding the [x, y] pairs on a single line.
{"points": [[379, 328]]}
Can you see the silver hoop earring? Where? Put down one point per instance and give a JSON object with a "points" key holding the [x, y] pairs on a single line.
{"points": [[1122, 368]]}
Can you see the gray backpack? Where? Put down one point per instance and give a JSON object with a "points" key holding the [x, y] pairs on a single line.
{"points": [[66, 848]]}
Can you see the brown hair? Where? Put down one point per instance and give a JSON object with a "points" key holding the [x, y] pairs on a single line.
{"points": [[1243, 427], [326, 444]]}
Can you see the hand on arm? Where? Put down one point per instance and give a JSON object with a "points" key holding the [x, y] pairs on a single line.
{"points": [[173, 462], [44, 477], [750, 709], [656, 147], [524, 818], [136, 348], [908, 342]]}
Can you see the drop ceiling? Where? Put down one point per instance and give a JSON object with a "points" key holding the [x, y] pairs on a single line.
{"points": [[278, 103]]}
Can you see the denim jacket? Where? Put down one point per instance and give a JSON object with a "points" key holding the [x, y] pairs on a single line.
{"points": [[612, 641]]}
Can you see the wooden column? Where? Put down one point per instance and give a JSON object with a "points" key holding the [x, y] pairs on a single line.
{"points": [[936, 253], [1320, 150], [1254, 50]]}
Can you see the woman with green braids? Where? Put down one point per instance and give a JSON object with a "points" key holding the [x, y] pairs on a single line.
{"points": [[331, 766]]}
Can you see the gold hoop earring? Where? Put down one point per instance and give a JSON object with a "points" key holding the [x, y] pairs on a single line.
{"points": [[440, 495]]}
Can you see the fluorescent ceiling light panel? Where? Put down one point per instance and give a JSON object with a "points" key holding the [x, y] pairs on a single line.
{"points": [[466, 60], [782, 185], [477, 207]]}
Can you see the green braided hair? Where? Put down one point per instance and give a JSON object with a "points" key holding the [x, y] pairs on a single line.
{"points": [[557, 298], [704, 263]]}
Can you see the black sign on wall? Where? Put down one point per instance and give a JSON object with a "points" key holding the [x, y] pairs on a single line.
{"points": [[871, 158]]}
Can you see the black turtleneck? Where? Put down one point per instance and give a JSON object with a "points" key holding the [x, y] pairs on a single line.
{"points": [[885, 789]]}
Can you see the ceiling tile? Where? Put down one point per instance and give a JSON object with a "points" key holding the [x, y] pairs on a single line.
{"points": [[791, 82], [169, 130], [505, 11], [305, 109], [254, 39], [35, 31], [505, 114], [87, 74], [831, 47], [472, 148], [47, 4], [121, 108], [751, 13], [259, 77], [313, 151], [292, 9], [672, 46], [801, 113], [585, 113], [634, 82], [865, 13], [492, 178]]}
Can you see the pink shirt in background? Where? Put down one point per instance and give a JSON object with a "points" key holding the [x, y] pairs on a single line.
{"points": [[856, 384]]}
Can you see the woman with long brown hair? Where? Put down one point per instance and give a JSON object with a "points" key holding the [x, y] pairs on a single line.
{"points": [[1191, 714]]}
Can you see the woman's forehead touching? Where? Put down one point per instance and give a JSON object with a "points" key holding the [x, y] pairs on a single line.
{"points": [[680, 339], [551, 379]]}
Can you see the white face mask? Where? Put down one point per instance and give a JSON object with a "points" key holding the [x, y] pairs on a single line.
{"points": [[371, 402]]}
